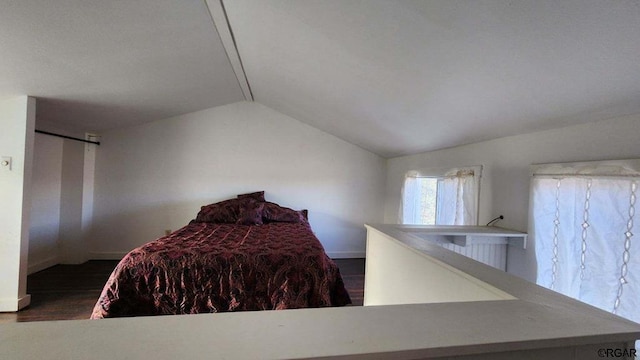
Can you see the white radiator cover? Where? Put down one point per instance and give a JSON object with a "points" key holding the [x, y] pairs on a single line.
{"points": [[486, 244], [491, 254]]}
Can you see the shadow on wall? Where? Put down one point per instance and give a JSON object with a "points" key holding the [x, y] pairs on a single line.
{"points": [[114, 234], [340, 238], [509, 193]]}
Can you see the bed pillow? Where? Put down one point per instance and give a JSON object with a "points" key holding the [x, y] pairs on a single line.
{"points": [[273, 212], [257, 196], [250, 213], [224, 212]]}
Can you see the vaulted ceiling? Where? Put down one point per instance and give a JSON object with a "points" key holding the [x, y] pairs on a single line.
{"points": [[394, 77], [100, 64]]}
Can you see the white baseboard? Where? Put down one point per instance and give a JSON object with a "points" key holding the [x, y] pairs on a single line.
{"points": [[13, 305], [24, 301], [41, 265], [346, 254], [114, 255]]}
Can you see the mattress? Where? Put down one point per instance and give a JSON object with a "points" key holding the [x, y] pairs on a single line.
{"points": [[209, 267]]}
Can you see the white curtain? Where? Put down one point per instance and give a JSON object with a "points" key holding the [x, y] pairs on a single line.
{"points": [[583, 227], [456, 202], [410, 205], [457, 199]]}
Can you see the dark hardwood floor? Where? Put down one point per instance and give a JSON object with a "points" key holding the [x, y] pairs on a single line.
{"points": [[63, 292], [352, 271], [69, 292]]}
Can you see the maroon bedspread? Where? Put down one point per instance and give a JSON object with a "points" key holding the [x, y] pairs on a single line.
{"points": [[207, 267]]}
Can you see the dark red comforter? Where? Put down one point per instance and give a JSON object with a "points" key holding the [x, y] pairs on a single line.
{"points": [[207, 267]]}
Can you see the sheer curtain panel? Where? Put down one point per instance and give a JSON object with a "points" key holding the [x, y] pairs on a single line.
{"points": [[584, 218], [451, 195]]}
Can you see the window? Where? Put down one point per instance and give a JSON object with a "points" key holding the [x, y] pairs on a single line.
{"points": [[583, 223], [441, 197]]}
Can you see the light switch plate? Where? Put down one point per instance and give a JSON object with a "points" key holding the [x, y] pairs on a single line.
{"points": [[5, 163]]}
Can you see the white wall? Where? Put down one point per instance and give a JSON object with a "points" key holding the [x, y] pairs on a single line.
{"points": [[61, 199], [73, 246], [17, 119], [44, 229], [156, 176], [505, 181]]}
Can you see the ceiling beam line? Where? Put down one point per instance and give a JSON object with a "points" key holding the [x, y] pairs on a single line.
{"points": [[221, 22]]}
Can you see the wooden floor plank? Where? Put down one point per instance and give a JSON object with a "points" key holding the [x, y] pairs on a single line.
{"points": [[69, 292]]}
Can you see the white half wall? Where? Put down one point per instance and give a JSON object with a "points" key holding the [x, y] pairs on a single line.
{"points": [[44, 229], [17, 119], [155, 177], [504, 188]]}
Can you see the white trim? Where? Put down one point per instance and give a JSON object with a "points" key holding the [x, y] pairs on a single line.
{"points": [[41, 265], [115, 255], [346, 254], [13, 305], [24, 301]]}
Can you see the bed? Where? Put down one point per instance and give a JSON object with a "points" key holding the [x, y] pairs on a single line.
{"points": [[237, 255]]}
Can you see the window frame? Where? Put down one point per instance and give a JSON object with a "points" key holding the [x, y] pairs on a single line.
{"points": [[442, 173]]}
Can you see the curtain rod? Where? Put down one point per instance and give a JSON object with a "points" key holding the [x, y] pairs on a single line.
{"points": [[68, 137], [563, 176]]}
